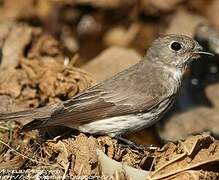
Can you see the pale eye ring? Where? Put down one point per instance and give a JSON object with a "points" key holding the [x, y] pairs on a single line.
{"points": [[175, 46]]}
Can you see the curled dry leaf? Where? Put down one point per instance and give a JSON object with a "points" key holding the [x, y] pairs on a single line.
{"points": [[109, 145], [63, 155], [80, 152], [11, 82], [14, 38], [33, 70], [15, 163], [193, 175], [42, 82], [45, 45], [7, 104], [196, 151], [112, 168], [55, 81]]}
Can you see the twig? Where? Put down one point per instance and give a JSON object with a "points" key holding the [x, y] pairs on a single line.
{"points": [[24, 156], [5, 128], [66, 170]]}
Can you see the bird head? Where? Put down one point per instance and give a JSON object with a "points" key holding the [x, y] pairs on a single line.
{"points": [[175, 51]]}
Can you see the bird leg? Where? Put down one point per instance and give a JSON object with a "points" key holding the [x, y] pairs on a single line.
{"points": [[127, 143]]}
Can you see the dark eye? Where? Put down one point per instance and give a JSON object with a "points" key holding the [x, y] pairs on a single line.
{"points": [[175, 46]]}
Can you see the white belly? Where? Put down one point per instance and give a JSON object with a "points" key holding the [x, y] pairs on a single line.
{"points": [[121, 124]]}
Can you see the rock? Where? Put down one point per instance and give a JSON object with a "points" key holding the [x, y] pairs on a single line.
{"points": [[111, 61], [211, 12], [194, 121], [17, 9], [208, 36], [145, 36], [184, 22], [199, 6], [154, 7], [121, 36], [112, 4], [138, 35], [162, 5], [212, 93], [88, 25], [209, 9]]}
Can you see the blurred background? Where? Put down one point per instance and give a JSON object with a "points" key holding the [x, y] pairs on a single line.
{"points": [[53, 49]]}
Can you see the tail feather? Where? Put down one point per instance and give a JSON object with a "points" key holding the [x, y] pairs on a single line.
{"points": [[39, 117], [35, 124], [16, 115], [38, 113]]}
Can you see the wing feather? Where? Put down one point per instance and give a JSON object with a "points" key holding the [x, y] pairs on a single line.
{"points": [[125, 93]]}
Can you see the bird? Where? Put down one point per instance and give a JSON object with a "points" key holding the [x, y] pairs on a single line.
{"points": [[131, 100]]}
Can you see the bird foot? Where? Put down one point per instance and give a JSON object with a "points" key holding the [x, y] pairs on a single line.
{"points": [[130, 144]]}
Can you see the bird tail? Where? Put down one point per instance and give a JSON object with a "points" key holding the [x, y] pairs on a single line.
{"points": [[35, 124], [38, 117], [16, 115]]}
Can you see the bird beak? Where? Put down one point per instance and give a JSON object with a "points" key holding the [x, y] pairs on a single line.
{"points": [[199, 50], [203, 52]]}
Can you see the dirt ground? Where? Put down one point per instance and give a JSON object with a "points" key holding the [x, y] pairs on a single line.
{"points": [[52, 50]]}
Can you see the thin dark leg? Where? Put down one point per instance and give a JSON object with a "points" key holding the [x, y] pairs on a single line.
{"points": [[129, 143]]}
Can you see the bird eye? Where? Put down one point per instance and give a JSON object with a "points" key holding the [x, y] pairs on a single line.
{"points": [[175, 46]]}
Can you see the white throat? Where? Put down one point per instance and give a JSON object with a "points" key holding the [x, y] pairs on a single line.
{"points": [[176, 72]]}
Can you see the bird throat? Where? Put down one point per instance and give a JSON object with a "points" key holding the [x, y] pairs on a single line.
{"points": [[176, 73]]}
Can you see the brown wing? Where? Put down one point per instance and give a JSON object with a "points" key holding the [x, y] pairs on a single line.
{"points": [[96, 104], [127, 93]]}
